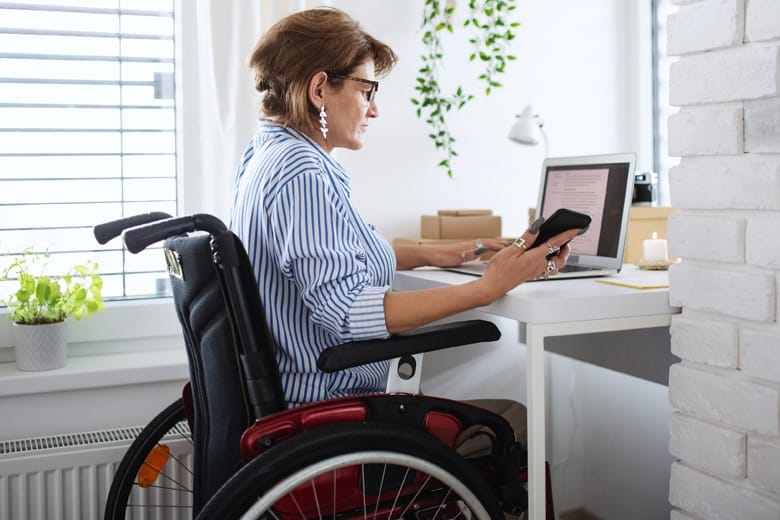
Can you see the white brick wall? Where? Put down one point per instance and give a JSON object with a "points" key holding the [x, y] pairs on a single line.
{"points": [[707, 237], [761, 246], [760, 353], [726, 182], [762, 124], [706, 131], [764, 468], [762, 20], [680, 515], [709, 497], [726, 397], [711, 342], [723, 28], [709, 446], [734, 74], [739, 291], [726, 432]]}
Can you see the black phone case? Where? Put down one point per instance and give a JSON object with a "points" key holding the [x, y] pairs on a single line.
{"points": [[559, 222]]}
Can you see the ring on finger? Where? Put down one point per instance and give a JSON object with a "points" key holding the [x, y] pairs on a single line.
{"points": [[550, 267], [520, 243], [478, 243], [546, 275], [551, 249]]}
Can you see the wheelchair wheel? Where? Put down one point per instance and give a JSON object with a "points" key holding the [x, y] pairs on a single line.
{"points": [[355, 470], [154, 478]]}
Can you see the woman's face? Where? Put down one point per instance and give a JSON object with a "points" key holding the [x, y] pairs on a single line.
{"points": [[349, 110]]}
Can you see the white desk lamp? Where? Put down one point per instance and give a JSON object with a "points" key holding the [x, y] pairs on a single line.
{"points": [[528, 129]]}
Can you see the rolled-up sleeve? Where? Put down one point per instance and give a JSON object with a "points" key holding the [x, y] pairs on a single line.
{"points": [[321, 253], [367, 314]]}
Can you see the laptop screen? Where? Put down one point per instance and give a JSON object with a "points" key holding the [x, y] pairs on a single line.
{"points": [[599, 186]]}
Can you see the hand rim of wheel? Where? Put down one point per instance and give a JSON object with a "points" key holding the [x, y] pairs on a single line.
{"points": [[365, 457]]}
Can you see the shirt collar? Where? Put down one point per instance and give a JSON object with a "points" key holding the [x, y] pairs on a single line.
{"points": [[272, 130]]}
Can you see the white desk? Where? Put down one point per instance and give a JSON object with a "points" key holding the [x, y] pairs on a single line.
{"points": [[560, 308]]}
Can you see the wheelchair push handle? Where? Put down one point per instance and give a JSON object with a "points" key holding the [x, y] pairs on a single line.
{"points": [[140, 237], [109, 230]]}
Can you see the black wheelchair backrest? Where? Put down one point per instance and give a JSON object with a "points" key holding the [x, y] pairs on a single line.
{"points": [[233, 371]]}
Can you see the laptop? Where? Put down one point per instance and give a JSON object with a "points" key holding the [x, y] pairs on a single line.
{"points": [[599, 185]]}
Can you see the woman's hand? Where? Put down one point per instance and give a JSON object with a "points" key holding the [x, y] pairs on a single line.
{"points": [[518, 263], [444, 255], [451, 255]]}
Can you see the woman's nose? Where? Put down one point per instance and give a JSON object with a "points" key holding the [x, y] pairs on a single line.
{"points": [[373, 110]]}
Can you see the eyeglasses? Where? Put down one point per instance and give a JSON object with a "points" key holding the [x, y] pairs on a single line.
{"points": [[370, 94]]}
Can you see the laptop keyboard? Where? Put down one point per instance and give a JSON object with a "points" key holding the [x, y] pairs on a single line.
{"points": [[575, 268]]}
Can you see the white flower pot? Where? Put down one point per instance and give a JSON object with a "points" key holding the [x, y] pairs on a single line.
{"points": [[40, 347]]}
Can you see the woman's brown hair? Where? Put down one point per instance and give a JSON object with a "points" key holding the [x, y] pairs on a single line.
{"points": [[299, 46]]}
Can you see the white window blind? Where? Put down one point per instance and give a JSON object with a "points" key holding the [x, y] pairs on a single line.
{"points": [[661, 107], [87, 130]]}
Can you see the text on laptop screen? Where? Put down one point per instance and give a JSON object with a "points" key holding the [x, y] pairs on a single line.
{"points": [[596, 189]]}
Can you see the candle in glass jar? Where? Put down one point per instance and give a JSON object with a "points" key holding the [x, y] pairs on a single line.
{"points": [[654, 249]]}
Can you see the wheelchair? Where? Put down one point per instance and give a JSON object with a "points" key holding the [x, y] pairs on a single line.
{"points": [[229, 448]]}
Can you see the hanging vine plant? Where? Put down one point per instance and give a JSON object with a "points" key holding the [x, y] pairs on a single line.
{"points": [[493, 32]]}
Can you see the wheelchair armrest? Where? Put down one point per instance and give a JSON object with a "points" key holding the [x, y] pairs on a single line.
{"points": [[424, 339]]}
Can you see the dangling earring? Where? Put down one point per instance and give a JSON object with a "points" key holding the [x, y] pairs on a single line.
{"points": [[323, 122]]}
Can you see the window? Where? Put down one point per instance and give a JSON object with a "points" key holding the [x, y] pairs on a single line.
{"points": [[661, 108], [87, 130]]}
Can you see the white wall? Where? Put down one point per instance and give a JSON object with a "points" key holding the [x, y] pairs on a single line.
{"points": [[574, 65]]}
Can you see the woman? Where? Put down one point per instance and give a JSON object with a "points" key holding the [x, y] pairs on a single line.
{"points": [[324, 273]]}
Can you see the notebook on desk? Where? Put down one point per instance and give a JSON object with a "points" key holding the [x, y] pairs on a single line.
{"points": [[599, 185]]}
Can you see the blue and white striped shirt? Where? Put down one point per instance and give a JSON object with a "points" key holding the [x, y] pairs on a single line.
{"points": [[321, 269]]}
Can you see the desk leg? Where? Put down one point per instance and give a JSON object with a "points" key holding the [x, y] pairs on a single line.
{"points": [[534, 340]]}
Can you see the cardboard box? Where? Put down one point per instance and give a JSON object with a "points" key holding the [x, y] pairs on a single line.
{"points": [[463, 212], [461, 224]]}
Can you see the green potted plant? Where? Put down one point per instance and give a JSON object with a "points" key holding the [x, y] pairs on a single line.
{"points": [[40, 304]]}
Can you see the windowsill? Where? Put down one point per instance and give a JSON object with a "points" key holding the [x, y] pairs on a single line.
{"points": [[97, 371], [131, 342]]}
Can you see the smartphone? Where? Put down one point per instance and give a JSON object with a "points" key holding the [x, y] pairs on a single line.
{"points": [[559, 222]]}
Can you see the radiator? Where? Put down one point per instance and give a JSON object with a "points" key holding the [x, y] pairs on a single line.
{"points": [[67, 477]]}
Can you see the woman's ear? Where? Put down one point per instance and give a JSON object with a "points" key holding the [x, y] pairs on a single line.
{"points": [[317, 85]]}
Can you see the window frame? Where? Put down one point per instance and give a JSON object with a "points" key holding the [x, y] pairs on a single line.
{"points": [[117, 330], [70, 242]]}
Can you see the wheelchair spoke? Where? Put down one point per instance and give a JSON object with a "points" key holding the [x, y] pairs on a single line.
{"points": [[297, 506], [181, 486], [316, 499], [381, 487], [335, 483], [182, 465], [363, 476], [398, 495], [442, 504]]}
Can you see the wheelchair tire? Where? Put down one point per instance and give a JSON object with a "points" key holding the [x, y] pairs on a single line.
{"points": [[167, 489], [385, 451]]}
